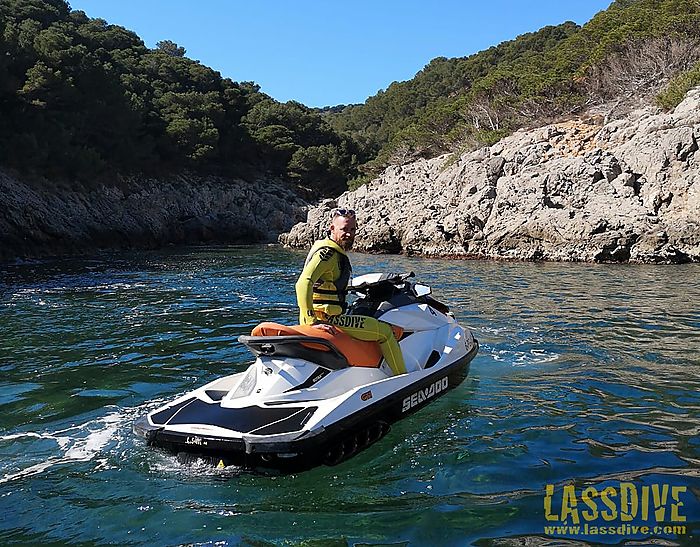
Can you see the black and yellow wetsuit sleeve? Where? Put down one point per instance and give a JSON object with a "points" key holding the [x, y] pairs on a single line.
{"points": [[318, 264]]}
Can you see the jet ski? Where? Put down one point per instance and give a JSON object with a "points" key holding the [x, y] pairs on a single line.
{"points": [[314, 397]]}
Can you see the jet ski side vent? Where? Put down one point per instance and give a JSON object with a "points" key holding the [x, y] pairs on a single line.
{"points": [[434, 358], [216, 394], [310, 348]]}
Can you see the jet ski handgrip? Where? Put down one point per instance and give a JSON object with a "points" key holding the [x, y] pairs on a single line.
{"points": [[298, 347]]}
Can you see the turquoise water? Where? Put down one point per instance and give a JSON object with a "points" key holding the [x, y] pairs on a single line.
{"points": [[588, 376]]}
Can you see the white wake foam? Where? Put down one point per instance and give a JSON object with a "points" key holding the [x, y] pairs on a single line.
{"points": [[80, 443]]}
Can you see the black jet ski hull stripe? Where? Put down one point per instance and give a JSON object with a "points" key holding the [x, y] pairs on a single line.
{"points": [[162, 417]]}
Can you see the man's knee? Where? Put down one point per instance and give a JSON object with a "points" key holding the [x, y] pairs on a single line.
{"points": [[385, 330]]}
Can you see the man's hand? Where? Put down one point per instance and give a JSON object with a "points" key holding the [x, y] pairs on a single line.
{"points": [[330, 329], [308, 318]]}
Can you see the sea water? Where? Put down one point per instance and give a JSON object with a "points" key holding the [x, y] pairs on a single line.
{"points": [[578, 421]]}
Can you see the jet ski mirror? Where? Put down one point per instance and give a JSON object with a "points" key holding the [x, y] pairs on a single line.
{"points": [[422, 290]]}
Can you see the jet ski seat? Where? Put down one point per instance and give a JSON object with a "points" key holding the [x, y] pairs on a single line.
{"points": [[358, 352]]}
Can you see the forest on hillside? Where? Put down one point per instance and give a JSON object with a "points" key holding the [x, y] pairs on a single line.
{"points": [[635, 47], [81, 99]]}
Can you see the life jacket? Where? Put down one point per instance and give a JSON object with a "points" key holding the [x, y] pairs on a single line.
{"points": [[330, 291]]}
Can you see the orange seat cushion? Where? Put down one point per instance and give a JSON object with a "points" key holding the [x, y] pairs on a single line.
{"points": [[358, 352]]}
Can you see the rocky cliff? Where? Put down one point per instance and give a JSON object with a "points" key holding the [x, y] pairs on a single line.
{"points": [[628, 190], [44, 218]]}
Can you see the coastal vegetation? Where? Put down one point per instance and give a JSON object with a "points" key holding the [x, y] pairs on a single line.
{"points": [[81, 99], [633, 48]]}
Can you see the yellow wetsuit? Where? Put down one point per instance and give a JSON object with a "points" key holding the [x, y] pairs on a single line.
{"points": [[321, 290]]}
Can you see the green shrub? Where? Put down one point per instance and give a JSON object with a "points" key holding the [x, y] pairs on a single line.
{"points": [[676, 89]]}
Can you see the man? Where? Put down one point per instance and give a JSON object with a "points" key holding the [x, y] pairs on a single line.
{"points": [[322, 287]]}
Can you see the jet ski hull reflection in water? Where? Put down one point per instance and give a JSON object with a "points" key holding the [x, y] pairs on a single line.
{"points": [[312, 397]]}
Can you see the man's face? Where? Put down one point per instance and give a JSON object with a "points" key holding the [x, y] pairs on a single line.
{"points": [[343, 231]]}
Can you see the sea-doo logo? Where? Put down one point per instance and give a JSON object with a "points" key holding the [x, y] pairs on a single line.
{"points": [[196, 441], [424, 394]]}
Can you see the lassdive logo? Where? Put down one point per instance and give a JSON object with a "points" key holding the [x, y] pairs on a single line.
{"points": [[424, 394], [348, 321], [623, 509]]}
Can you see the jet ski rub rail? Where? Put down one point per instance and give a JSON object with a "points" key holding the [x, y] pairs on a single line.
{"points": [[300, 347]]}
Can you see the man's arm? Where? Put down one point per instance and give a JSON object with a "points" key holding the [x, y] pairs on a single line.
{"points": [[317, 265]]}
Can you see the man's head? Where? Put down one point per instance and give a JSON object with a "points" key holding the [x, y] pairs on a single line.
{"points": [[343, 228]]}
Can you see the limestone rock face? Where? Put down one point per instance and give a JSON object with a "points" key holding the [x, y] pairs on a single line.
{"points": [[42, 218], [625, 191]]}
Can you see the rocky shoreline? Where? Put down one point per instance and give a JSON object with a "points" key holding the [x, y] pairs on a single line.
{"points": [[624, 191], [43, 218]]}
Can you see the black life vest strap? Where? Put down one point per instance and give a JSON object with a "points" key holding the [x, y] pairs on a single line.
{"points": [[343, 305], [330, 291]]}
